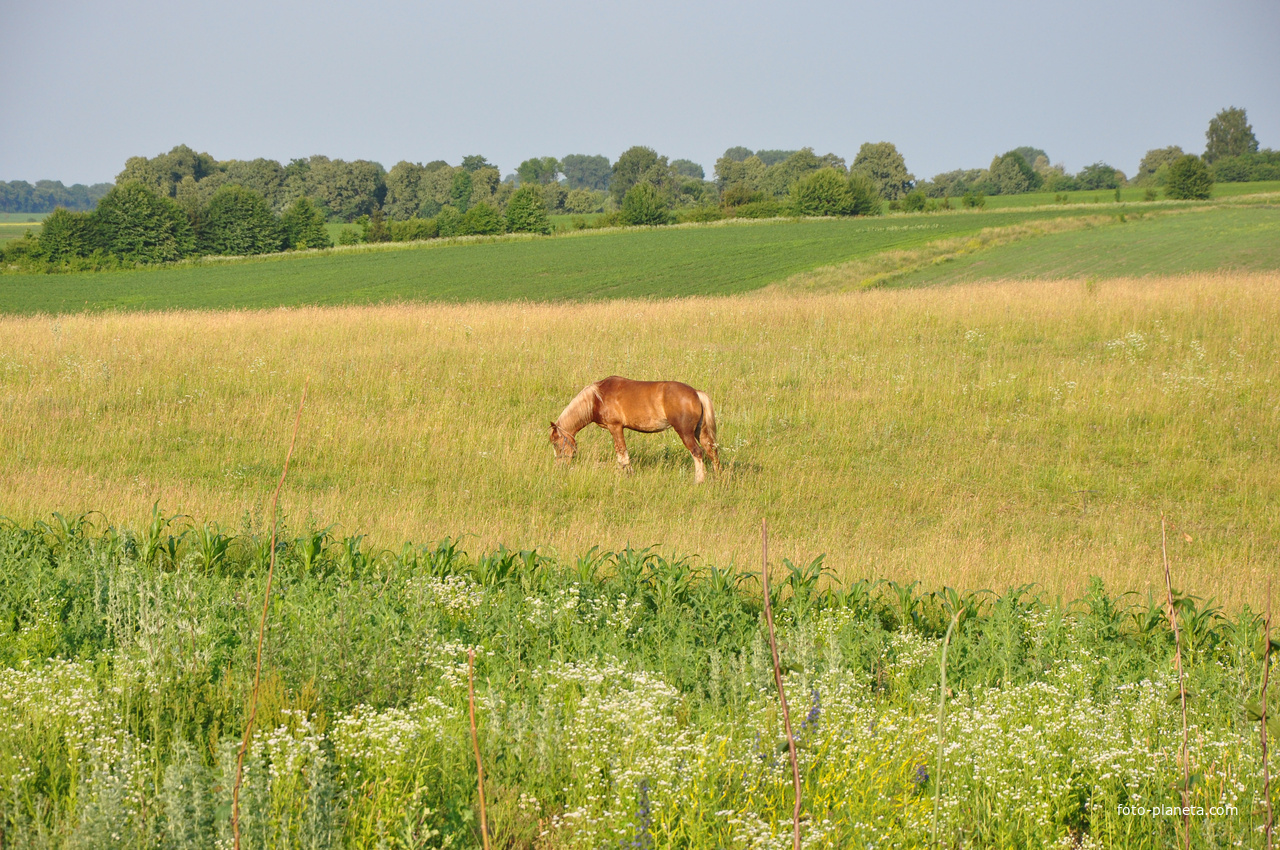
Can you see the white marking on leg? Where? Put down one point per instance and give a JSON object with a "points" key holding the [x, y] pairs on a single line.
{"points": [[699, 471]]}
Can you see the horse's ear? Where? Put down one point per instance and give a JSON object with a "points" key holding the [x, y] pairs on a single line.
{"points": [[553, 425]]}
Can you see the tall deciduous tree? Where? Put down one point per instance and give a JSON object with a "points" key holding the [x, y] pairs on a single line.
{"points": [[583, 171], [539, 169], [1149, 170], [1229, 134], [631, 166], [881, 162]]}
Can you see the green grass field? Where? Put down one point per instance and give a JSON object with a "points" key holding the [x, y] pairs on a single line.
{"points": [[1129, 195], [1243, 239], [661, 262]]}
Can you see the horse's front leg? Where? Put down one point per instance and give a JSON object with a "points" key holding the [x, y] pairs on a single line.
{"points": [[620, 447]]}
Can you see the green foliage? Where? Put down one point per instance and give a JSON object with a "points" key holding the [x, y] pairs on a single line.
{"points": [[1030, 155], [414, 230], [482, 220], [449, 222], [1188, 179], [526, 212], [973, 199], [632, 166], [738, 154], [1246, 168], [582, 171], [238, 222], [539, 170], [772, 157], [1229, 134], [66, 235], [19, 196], [378, 230], [618, 700], [779, 178], [582, 201], [865, 194], [138, 226], [1099, 176], [688, 168], [475, 162], [1011, 174], [460, 192], [643, 205], [350, 236], [824, 192], [1153, 170], [404, 197], [162, 174], [914, 201], [701, 213], [303, 226], [881, 162], [765, 208]]}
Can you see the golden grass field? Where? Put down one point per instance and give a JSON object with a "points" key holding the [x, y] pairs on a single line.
{"points": [[976, 436]]}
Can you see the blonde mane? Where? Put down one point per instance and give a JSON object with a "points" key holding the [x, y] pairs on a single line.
{"points": [[577, 413]]}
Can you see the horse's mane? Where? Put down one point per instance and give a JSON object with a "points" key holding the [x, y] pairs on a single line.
{"points": [[578, 412]]}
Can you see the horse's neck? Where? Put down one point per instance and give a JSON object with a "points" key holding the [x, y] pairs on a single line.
{"points": [[580, 411]]}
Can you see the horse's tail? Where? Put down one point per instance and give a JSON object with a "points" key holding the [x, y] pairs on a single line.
{"points": [[708, 416]]}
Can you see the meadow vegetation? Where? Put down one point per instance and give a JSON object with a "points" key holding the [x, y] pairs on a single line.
{"points": [[976, 436], [623, 699]]}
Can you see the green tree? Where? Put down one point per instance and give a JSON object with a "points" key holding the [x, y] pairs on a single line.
{"points": [[65, 235], [449, 222], [586, 172], [482, 220], [138, 226], [378, 230], [824, 192], [737, 154], [1188, 179], [238, 222], [881, 162], [778, 178], [1099, 176], [631, 167], [865, 194], [688, 168], [644, 205], [162, 174], [1149, 170], [582, 201], [1030, 155], [347, 190], [264, 176], [526, 211], [1011, 174], [302, 226], [773, 157], [403, 198], [475, 162], [460, 194], [1229, 134], [543, 169]]}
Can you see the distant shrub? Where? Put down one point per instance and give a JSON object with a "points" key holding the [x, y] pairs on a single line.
{"points": [[702, 212], [1189, 179], [65, 236], [865, 195], [758, 209], [582, 201], [482, 220], [414, 230], [303, 226], [644, 205], [974, 200], [449, 222], [736, 196], [914, 201], [138, 226], [527, 212], [822, 192]]}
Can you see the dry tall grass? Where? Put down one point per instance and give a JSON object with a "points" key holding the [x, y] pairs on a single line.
{"points": [[977, 436]]}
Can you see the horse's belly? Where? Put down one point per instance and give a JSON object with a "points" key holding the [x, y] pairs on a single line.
{"points": [[649, 426]]}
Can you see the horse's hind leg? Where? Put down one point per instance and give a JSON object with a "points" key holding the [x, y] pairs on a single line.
{"points": [[708, 442], [691, 443]]}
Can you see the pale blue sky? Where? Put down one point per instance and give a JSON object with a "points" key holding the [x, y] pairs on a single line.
{"points": [[88, 84]]}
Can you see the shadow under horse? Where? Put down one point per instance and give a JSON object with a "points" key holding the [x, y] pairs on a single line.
{"points": [[617, 403]]}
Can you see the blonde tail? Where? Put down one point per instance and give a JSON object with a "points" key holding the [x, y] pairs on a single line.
{"points": [[708, 435]]}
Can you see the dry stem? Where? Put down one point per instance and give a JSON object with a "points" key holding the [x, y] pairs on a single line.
{"points": [[777, 677]]}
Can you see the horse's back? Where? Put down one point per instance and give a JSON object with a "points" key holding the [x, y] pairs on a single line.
{"points": [[648, 405]]}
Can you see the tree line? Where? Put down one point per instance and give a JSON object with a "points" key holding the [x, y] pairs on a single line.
{"points": [[184, 203], [19, 196]]}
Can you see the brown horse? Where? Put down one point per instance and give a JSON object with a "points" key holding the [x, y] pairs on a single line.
{"points": [[647, 406]]}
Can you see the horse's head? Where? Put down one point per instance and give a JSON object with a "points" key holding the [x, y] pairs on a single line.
{"points": [[564, 443]]}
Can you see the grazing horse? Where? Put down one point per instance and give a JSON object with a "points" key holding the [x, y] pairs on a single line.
{"points": [[647, 406]]}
